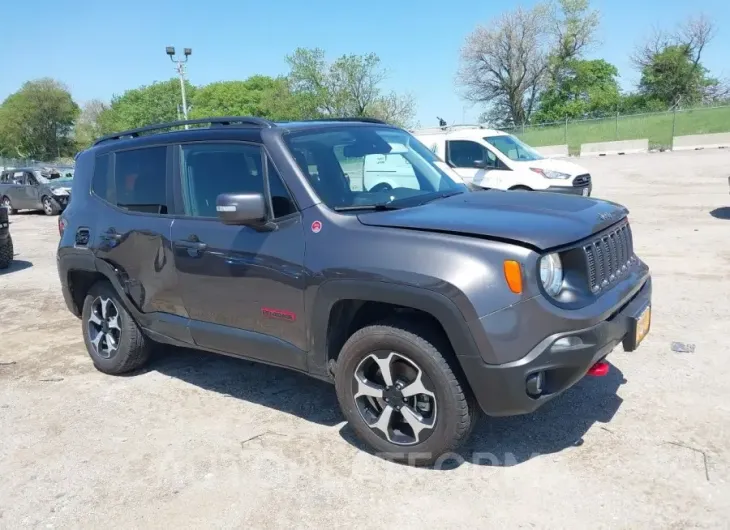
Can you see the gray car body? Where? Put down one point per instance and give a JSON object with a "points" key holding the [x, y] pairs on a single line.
{"points": [[291, 296], [29, 196]]}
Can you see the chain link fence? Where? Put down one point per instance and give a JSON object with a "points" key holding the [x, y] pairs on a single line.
{"points": [[659, 127], [12, 163]]}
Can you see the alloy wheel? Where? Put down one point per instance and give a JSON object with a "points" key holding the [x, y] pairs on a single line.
{"points": [[104, 328], [393, 398], [47, 206]]}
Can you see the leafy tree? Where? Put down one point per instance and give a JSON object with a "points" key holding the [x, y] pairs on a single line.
{"points": [[574, 26], [259, 95], [510, 62], [89, 125], [37, 120], [156, 103], [671, 68], [673, 77], [587, 89], [348, 87]]}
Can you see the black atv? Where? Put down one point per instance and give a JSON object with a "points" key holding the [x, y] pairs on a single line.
{"points": [[6, 241]]}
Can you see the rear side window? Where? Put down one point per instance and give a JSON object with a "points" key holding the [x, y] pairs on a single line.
{"points": [[137, 181]]}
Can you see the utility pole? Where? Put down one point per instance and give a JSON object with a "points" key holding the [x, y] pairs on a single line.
{"points": [[180, 67]]}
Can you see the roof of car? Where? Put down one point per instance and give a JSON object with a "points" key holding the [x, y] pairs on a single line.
{"points": [[459, 131], [217, 123]]}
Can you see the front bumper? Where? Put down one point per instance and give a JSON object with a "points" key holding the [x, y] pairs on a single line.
{"points": [[62, 200], [572, 190], [501, 390]]}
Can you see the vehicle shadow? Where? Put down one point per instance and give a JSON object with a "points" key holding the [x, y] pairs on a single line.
{"points": [[558, 425], [721, 213], [504, 442], [270, 386], [15, 266]]}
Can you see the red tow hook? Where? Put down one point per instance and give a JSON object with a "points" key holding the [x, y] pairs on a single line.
{"points": [[599, 369]]}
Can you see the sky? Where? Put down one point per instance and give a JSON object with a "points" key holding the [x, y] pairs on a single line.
{"points": [[99, 49]]}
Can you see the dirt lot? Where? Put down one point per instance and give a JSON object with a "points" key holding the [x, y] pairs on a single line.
{"points": [[206, 441]]}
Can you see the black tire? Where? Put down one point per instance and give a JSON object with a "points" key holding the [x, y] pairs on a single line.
{"points": [[383, 186], [50, 206], [523, 188], [456, 409], [5, 201], [6, 253], [133, 348]]}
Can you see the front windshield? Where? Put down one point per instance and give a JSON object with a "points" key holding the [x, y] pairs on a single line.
{"points": [[363, 166], [513, 148]]}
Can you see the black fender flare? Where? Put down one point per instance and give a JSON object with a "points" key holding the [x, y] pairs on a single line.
{"points": [[437, 305]]}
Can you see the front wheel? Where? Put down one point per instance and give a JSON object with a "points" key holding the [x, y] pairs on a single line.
{"points": [[9, 205], [400, 395], [49, 206], [6, 253]]}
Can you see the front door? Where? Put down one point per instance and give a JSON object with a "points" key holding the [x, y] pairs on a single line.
{"points": [[243, 287], [475, 163], [33, 192]]}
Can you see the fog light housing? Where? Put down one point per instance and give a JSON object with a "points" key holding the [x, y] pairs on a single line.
{"points": [[567, 342], [535, 384]]}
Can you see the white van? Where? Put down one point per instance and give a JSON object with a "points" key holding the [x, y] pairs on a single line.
{"points": [[495, 159]]}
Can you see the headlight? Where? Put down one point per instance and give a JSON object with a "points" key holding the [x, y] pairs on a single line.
{"points": [[551, 273], [60, 191], [550, 174]]}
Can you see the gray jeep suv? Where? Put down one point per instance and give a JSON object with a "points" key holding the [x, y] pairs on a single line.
{"points": [[422, 304]]}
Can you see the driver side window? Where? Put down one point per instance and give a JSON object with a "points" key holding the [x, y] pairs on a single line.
{"points": [[468, 154]]}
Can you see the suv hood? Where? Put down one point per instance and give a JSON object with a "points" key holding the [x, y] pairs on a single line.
{"points": [[541, 220], [564, 166]]}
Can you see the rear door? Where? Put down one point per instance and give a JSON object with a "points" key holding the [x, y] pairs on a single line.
{"points": [[243, 288], [133, 232], [16, 190]]}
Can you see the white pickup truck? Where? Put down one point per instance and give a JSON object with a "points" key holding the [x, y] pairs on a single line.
{"points": [[495, 159]]}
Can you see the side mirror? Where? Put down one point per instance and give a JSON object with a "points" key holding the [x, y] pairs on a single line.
{"points": [[241, 208], [479, 164]]}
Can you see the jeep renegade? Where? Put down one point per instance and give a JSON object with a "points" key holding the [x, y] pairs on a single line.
{"points": [[422, 303]]}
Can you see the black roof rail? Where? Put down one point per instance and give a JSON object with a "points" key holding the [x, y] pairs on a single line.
{"points": [[361, 119], [214, 122]]}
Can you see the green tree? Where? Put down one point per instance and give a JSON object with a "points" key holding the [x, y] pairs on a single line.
{"points": [[672, 77], [348, 87], [670, 63], [587, 89], [37, 121], [89, 125], [156, 103], [259, 95]]}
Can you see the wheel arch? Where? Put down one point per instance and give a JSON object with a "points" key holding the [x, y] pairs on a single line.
{"points": [[339, 304]]}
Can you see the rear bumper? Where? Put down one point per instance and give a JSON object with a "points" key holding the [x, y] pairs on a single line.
{"points": [[501, 390]]}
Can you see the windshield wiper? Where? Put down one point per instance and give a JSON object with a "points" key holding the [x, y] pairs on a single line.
{"points": [[440, 195], [378, 207]]}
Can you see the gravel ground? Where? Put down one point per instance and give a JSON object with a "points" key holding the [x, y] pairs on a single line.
{"points": [[199, 440]]}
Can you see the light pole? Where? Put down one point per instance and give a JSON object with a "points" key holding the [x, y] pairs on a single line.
{"points": [[180, 67]]}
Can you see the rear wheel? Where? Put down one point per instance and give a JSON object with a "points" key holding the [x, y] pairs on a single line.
{"points": [[114, 341], [523, 188], [6, 253], [9, 205], [400, 395]]}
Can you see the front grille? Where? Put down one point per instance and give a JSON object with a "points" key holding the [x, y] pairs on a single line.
{"points": [[582, 180], [609, 256]]}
